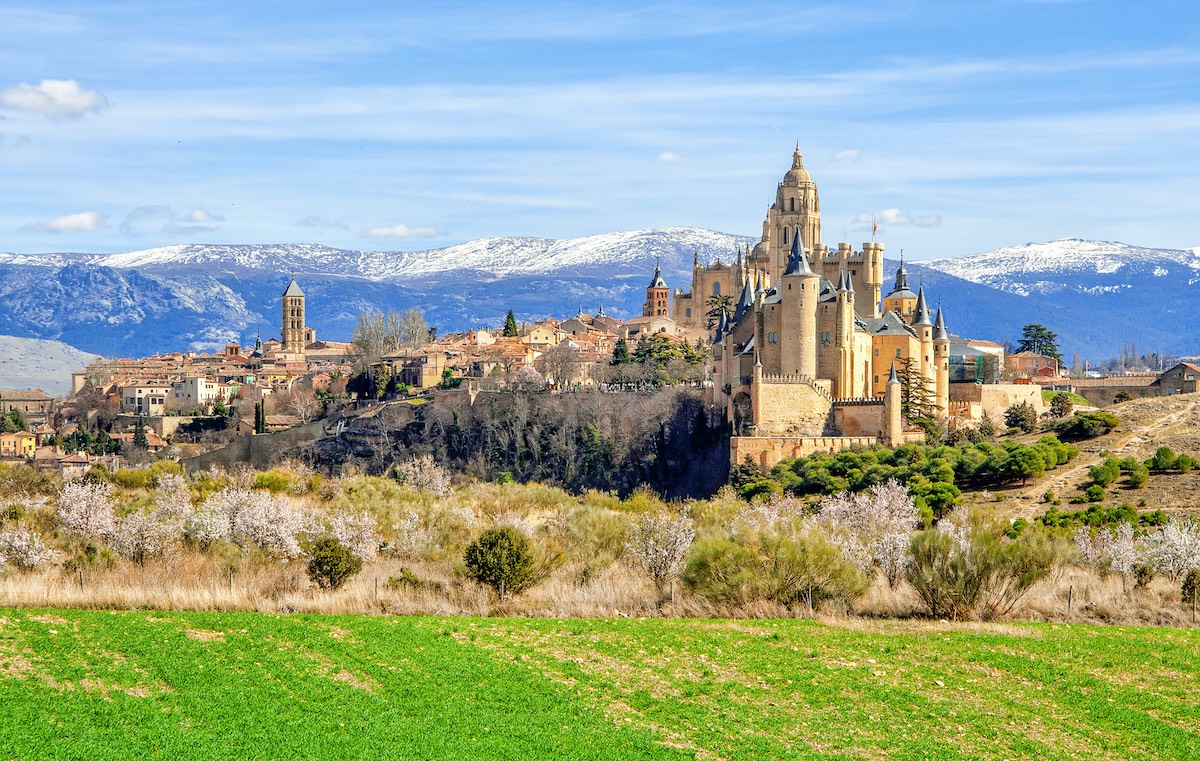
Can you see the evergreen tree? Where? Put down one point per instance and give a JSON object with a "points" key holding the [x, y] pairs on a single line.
{"points": [[260, 417], [510, 325], [717, 306], [916, 397], [1040, 340], [140, 440], [621, 355]]}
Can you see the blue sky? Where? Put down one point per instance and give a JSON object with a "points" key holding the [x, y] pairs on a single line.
{"points": [[962, 126]]}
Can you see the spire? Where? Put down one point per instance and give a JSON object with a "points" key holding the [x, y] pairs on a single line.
{"points": [[695, 258], [841, 286], [601, 312], [921, 315], [901, 276], [746, 303], [850, 283], [761, 283], [798, 261], [797, 158], [939, 327], [658, 281], [757, 360], [293, 289], [892, 376]]}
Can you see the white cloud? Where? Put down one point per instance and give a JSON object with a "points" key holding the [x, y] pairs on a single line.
{"points": [[933, 220], [850, 154], [53, 97], [84, 221], [401, 231], [203, 217], [894, 217], [673, 157]]}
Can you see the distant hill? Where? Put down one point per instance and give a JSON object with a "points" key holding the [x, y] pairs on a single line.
{"points": [[1097, 296], [27, 363]]}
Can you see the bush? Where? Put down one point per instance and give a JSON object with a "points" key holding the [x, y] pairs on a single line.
{"points": [[502, 559], [1022, 416], [1060, 405], [1106, 474], [1191, 586], [1138, 475], [331, 563], [656, 545], [1094, 493], [1087, 425], [723, 571]]}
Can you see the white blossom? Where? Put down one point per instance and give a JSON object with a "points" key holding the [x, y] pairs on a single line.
{"points": [[24, 549], [359, 532], [140, 536], [412, 536], [881, 519], [269, 522], [512, 520], [173, 499], [425, 474], [85, 509], [1175, 548], [206, 525], [657, 545]]}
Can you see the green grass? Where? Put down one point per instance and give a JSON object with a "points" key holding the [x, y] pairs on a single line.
{"points": [[97, 685], [1075, 398]]}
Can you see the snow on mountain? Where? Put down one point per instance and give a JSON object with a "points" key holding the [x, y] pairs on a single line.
{"points": [[27, 363], [1070, 264]]}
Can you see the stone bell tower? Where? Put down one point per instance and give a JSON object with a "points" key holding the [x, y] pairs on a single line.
{"points": [[292, 332]]}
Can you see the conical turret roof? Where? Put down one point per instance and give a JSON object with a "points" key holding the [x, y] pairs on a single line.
{"points": [[293, 289], [939, 327], [658, 281], [921, 316], [798, 261]]}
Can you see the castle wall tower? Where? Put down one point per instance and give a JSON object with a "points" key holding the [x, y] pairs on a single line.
{"points": [[869, 287], [923, 324], [658, 296], [844, 339], [941, 356], [893, 420], [291, 333], [800, 292]]}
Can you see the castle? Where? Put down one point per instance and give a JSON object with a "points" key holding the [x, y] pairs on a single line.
{"points": [[807, 353]]}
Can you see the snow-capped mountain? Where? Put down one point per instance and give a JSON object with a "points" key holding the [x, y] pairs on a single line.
{"points": [[1096, 296], [27, 363], [1073, 265]]}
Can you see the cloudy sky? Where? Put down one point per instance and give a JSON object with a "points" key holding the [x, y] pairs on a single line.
{"points": [[961, 126]]}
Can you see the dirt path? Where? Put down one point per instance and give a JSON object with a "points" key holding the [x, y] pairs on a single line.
{"points": [[1059, 481]]}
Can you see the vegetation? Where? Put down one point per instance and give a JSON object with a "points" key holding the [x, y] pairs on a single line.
{"points": [[187, 685], [331, 563], [502, 559], [1040, 340], [1086, 425], [1022, 417], [510, 325]]}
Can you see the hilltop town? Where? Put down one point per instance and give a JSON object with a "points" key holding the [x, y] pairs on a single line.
{"points": [[801, 347]]}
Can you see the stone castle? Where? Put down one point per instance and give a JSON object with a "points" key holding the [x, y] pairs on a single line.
{"points": [[808, 353]]}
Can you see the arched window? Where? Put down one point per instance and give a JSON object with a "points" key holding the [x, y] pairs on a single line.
{"points": [[717, 288], [793, 204], [688, 312], [785, 237]]}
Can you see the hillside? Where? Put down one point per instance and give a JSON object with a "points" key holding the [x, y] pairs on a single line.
{"points": [[245, 685], [37, 363], [1097, 296]]}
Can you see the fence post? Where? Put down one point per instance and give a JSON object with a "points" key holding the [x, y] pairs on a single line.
{"points": [[376, 587], [231, 582], [80, 579], [1070, 598]]}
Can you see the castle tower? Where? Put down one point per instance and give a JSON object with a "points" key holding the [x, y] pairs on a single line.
{"points": [[923, 324], [941, 357], [871, 284], [800, 293], [292, 332], [901, 300], [844, 339], [893, 420], [657, 296]]}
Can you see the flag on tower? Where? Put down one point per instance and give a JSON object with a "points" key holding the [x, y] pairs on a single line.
{"points": [[874, 227]]}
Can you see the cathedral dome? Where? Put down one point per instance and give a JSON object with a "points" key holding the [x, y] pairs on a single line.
{"points": [[797, 175]]}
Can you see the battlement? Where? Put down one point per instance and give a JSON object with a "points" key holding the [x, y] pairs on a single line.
{"points": [[860, 401]]}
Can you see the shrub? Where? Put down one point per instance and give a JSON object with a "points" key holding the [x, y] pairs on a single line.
{"points": [[1094, 493], [963, 570], [424, 474], [140, 536], [724, 571], [503, 559], [1022, 416], [331, 563], [808, 567], [1087, 425], [1138, 475], [1190, 589], [1106, 474], [1163, 459], [273, 481], [85, 509], [1060, 405], [358, 531]]}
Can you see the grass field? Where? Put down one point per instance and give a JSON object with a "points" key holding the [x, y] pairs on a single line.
{"points": [[97, 685]]}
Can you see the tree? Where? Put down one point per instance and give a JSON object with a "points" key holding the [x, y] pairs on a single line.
{"points": [[656, 546], [379, 334], [560, 364], [1022, 416], [260, 416], [331, 563], [510, 325], [1061, 405], [621, 355], [916, 397], [718, 306], [502, 559], [140, 439], [1040, 340]]}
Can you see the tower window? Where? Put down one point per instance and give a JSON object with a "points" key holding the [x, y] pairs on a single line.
{"points": [[717, 288]]}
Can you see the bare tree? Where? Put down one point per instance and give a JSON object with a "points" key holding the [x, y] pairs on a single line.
{"points": [[560, 364], [380, 334]]}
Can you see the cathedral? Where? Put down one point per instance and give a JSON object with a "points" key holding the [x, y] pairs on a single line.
{"points": [[808, 354]]}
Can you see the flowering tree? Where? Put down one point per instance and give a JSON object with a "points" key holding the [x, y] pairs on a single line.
{"points": [[425, 474], [1175, 548], [879, 521], [24, 549], [657, 544], [1110, 551], [412, 536], [269, 522], [86, 510], [140, 536], [173, 499], [358, 532]]}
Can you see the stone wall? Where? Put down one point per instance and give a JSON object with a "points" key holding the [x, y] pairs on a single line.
{"points": [[792, 409], [257, 450], [859, 419], [769, 451], [994, 399]]}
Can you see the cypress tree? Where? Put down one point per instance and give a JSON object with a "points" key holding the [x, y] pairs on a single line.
{"points": [[510, 325]]}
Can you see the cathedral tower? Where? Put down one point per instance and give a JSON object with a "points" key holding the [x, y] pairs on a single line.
{"points": [[657, 296]]}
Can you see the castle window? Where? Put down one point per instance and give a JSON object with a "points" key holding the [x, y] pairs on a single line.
{"points": [[785, 239], [717, 288], [688, 312], [793, 204], [772, 337], [897, 353], [825, 337]]}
